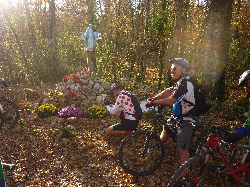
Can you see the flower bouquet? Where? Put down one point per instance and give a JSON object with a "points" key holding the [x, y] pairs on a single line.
{"points": [[46, 110], [97, 111], [71, 111]]}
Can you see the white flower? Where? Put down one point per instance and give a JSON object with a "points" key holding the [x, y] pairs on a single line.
{"points": [[75, 86]]}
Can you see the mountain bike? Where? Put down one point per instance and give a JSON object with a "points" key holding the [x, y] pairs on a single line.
{"points": [[9, 114], [142, 152], [232, 159]]}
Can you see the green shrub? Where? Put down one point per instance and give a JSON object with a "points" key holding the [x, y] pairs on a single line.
{"points": [[22, 122], [67, 132]]}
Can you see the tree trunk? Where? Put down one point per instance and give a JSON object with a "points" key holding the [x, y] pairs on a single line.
{"points": [[163, 46], [176, 49], [145, 41], [218, 38], [54, 63], [33, 44]]}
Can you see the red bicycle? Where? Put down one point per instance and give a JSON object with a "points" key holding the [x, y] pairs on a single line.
{"points": [[212, 157]]}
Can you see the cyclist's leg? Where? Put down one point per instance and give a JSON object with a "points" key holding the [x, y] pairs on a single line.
{"points": [[184, 136], [122, 128], [184, 156], [164, 135]]}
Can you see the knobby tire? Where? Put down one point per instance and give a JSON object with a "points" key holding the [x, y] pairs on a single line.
{"points": [[139, 158], [197, 173], [9, 114]]}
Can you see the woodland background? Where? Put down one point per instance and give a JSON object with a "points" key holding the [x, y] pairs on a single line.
{"points": [[40, 42]]}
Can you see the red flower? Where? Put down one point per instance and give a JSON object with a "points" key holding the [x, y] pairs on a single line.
{"points": [[72, 94], [66, 78]]}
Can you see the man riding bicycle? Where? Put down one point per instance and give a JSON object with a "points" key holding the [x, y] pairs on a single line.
{"points": [[179, 96], [244, 130]]}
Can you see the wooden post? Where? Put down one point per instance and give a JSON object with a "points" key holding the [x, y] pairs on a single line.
{"points": [[89, 60]]}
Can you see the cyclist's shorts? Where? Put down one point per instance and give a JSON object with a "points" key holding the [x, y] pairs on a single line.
{"points": [[126, 125], [184, 134]]}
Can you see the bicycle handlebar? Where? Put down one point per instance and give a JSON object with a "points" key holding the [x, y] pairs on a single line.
{"points": [[220, 132], [160, 108]]}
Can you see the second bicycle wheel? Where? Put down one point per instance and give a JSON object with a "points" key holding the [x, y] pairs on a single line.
{"points": [[141, 153], [9, 114], [196, 170]]}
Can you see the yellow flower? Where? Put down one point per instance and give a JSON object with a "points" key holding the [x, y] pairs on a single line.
{"points": [[46, 110], [97, 111]]}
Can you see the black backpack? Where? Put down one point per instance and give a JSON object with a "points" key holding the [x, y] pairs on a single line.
{"points": [[201, 106], [137, 106]]}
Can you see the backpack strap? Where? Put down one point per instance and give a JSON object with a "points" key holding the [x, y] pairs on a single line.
{"points": [[186, 101], [192, 81]]}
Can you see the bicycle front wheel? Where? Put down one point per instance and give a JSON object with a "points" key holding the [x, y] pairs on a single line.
{"points": [[9, 114], [141, 153], [197, 172]]}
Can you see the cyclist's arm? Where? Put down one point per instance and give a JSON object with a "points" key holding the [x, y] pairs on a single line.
{"points": [[165, 101], [244, 130], [166, 93], [174, 94], [117, 108], [114, 110]]}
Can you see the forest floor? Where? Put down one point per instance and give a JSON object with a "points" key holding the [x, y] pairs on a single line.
{"points": [[89, 159]]}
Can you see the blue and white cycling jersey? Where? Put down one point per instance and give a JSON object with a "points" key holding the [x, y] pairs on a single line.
{"points": [[183, 89]]}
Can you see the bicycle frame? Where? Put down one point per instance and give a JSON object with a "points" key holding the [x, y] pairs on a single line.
{"points": [[171, 126], [162, 118], [214, 143]]}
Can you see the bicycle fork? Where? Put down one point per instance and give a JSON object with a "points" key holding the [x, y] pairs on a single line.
{"points": [[146, 146]]}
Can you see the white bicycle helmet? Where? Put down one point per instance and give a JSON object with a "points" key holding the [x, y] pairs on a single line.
{"points": [[244, 77], [181, 62]]}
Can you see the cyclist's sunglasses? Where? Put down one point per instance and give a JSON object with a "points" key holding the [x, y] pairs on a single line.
{"points": [[174, 68]]}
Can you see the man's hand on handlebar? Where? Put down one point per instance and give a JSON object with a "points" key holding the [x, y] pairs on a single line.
{"points": [[150, 102]]}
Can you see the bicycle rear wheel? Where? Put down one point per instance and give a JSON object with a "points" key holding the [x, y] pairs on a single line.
{"points": [[197, 172], [141, 153], [9, 114]]}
